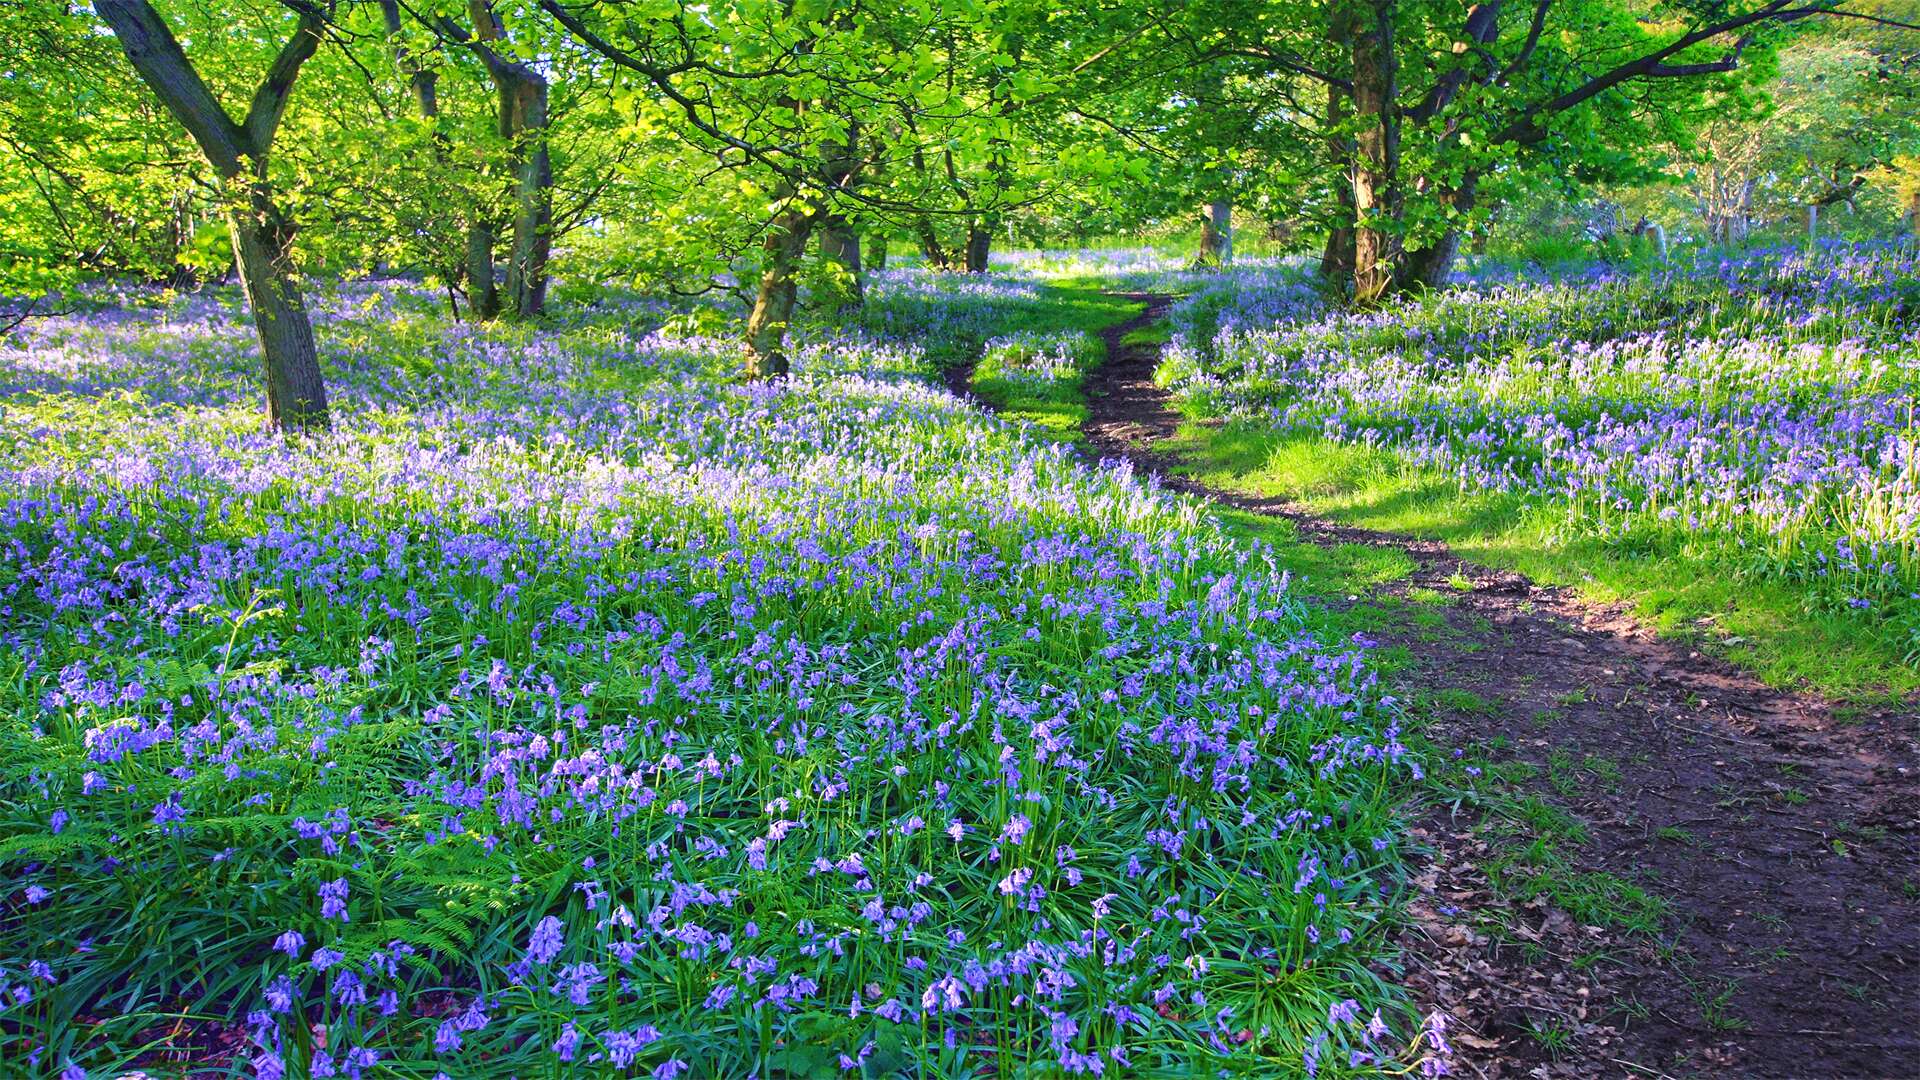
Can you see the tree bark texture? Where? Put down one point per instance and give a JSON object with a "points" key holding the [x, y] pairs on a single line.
{"points": [[522, 124], [930, 249], [979, 244], [1336, 258], [533, 200], [260, 249], [1431, 266], [483, 288], [1376, 166]]}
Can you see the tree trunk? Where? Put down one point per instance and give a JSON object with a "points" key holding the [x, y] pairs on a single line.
{"points": [[533, 200], [522, 94], [1431, 267], [1336, 259], [930, 249], [980, 233], [262, 237], [1376, 196], [296, 396], [839, 241], [1216, 233], [425, 84], [1913, 212], [979, 245], [1216, 218], [483, 287], [781, 251], [876, 258], [420, 79], [840, 245]]}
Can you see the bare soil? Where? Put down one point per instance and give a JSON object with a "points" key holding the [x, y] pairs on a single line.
{"points": [[1781, 830]]}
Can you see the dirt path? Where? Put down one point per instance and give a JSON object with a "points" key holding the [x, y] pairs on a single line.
{"points": [[1783, 835]]}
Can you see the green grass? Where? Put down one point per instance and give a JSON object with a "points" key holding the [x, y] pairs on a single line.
{"points": [[1538, 843], [1694, 594], [1071, 314]]}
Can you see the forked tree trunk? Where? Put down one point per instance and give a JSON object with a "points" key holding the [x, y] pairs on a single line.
{"points": [[482, 301], [522, 123], [420, 79], [930, 249], [840, 245], [839, 240], [1431, 267], [262, 236], [1216, 233], [781, 252]]}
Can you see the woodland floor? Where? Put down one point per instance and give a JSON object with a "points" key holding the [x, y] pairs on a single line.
{"points": [[1641, 861]]}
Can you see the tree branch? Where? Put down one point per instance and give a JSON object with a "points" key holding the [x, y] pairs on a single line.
{"points": [[156, 54], [270, 99], [1711, 67], [1534, 30], [662, 80], [1527, 128], [1483, 23]]}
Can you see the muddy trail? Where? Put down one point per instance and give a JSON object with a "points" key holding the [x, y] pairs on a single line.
{"points": [[1776, 833]]}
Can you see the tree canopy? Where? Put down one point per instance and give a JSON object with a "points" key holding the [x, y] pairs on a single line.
{"points": [[759, 147]]}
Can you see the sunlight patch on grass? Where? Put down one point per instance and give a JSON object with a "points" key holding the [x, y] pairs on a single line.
{"points": [[1695, 593]]}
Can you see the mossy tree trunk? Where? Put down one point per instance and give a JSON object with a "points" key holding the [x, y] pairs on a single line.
{"points": [[781, 251], [522, 125]]}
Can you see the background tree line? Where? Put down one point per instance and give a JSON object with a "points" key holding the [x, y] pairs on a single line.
{"points": [[748, 146]]}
